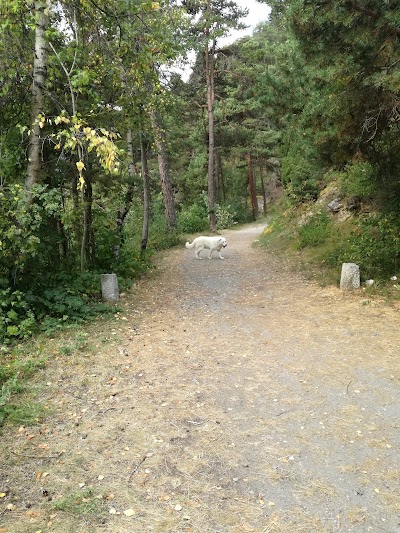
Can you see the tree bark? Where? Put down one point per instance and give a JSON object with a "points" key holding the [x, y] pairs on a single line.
{"points": [[125, 208], [252, 184], [166, 185], [87, 243], [264, 192], [38, 88], [209, 67], [146, 193]]}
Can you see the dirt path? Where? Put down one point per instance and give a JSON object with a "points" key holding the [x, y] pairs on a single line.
{"points": [[229, 396]]}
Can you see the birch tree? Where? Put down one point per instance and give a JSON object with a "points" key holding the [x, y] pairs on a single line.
{"points": [[38, 89]]}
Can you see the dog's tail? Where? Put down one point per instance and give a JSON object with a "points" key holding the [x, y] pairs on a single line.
{"points": [[189, 245]]}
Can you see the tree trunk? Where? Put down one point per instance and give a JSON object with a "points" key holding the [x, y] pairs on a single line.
{"points": [[38, 88], [209, 67], [87, 244], [264, 192], [166, 185], [217, 161], [62, 240], [146, 193], [252, 184], [124, 209]]}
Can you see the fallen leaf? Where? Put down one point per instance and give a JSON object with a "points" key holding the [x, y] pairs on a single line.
{"points": [[3, 494], [129, 512], [178, 507], [112, 510], [100, 478]]}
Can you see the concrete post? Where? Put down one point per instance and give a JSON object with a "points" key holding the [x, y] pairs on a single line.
{"points": [[109, 287], [350, 277]]}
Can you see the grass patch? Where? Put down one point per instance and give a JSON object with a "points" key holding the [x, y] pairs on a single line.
{"points": [[315, 231], [26, 414], [82, 503], [14, 373]]}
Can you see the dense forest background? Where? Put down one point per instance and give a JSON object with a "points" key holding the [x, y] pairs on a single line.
{"points": [[107, 154]]}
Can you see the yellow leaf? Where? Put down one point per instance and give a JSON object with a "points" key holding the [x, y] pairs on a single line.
{"points": [[2, 494], [80, 166], [129, 512]]}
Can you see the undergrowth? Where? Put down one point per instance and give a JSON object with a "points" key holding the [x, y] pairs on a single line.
{"points": [[319, 244]]}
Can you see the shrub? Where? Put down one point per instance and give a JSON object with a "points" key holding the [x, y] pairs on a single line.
{"points": [[358, 179], [375, 246], [16, 317], [193, 219], [299, 176], [225, 216]]}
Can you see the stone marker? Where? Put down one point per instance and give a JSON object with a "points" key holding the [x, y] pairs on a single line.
{"points": [[350, 278], [109, 287]]}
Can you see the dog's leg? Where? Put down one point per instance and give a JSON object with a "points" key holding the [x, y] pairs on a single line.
{"points": [[198, 253], [220, 256]]}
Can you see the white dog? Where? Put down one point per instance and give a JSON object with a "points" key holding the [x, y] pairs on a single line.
{"points": [[207, 243]]}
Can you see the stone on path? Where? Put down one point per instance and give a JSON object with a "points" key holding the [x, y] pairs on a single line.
{"points": [[109, 287], [350, 278]]}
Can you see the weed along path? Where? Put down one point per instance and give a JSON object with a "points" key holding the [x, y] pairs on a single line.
{"points": [[226, 397]]}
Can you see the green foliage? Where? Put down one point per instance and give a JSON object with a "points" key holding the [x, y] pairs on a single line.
{"points": [[314, 231], [20, 226], [375, 245], [70, 298], [193, 219], [225, 216], [358, 179], [17, 319], [300, 176]]}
